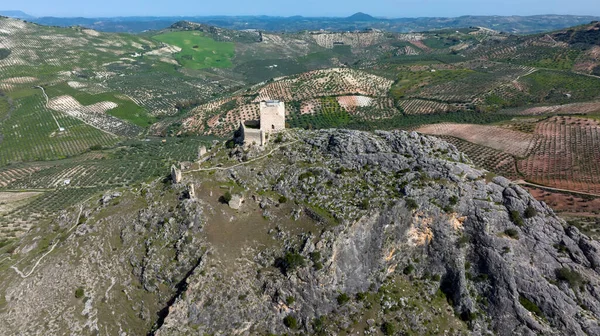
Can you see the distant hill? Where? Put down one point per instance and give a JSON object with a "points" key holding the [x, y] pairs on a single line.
{"points": [[585, 36], [361, 17], [17, 14]]}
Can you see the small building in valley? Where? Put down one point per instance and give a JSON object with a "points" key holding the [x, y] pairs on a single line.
{"points": [[272, 119]]}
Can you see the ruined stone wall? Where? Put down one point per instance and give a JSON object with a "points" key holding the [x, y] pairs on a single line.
{"points": [[253, 136]]}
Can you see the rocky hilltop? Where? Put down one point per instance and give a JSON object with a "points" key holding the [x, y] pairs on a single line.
{"points": [[327, 232]]}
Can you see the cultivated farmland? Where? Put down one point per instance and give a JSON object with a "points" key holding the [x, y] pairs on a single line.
{"points": [[60, 184], [566, 155], [499, 138], [32, 133]]}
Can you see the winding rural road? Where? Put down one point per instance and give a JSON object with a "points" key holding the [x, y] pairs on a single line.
{"points": [[523, 182], [47, 101]]}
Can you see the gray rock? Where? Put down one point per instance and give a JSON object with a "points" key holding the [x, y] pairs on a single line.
{"points": [[236, 201]]}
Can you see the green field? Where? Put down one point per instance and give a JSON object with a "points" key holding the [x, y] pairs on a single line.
{"points": [[127, 109], [199, 51]]}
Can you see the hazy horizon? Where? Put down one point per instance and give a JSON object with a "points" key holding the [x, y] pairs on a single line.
{"points": [[308, 8]]}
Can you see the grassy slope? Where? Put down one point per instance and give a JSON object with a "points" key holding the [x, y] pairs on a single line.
{"points": [[198, 51]]}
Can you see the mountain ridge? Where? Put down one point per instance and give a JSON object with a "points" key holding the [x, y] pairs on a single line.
{"points": [[513, 24], [305, 253]]}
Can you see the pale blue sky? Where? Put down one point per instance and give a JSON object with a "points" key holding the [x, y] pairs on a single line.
{"points": [[388, 8]]}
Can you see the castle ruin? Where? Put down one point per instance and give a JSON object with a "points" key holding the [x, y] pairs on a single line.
{"points": [[272, 119]]}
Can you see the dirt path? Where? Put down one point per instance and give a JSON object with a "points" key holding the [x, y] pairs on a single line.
{"points": [[36, 264], [584, 74], [242, 163], [522, 182], [52, 114], [24, 276], [527, 74]]}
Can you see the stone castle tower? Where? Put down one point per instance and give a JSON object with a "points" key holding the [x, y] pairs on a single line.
{"points": [[272, 115], [272, 119]]}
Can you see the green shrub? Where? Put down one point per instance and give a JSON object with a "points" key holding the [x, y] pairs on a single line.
{"points": [[571, 276], [290, 300], [225, 198], [315, 256], [305, 175], [96, 147], [343, 299], [453, 200], [481, 277], [79, 293], [516, 218], [388, 328], [411, 204], [290, 262], [463, 240], [408, 269], [364, 204], [318, 325], [532, 307], [341, 170], [230, 144], [512, 233], [282, 199], [439, 293], [361, 296], [561, 248], [530, 212], [290, 322], [468, 316]]}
